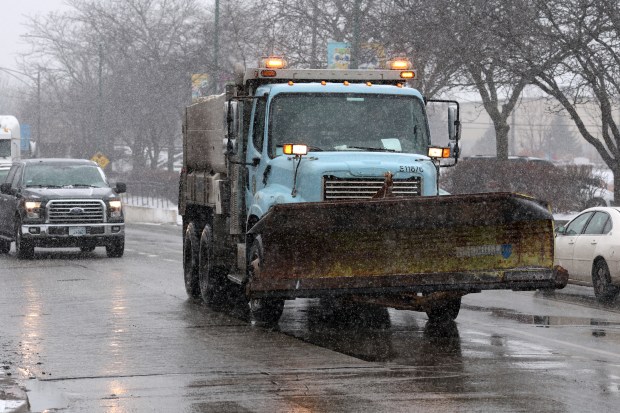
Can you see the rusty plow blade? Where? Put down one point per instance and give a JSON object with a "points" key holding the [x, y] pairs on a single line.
{"points": [[399, 245]]}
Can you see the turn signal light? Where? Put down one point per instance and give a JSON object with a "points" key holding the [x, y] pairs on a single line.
{"points": [[435, 152], [294, 149]]}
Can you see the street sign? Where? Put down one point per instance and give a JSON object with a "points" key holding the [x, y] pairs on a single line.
{"points": [[101, 160]]}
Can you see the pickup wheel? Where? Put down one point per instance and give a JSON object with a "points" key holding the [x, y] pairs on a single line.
{"points": [[265, 310], [114, 250], [211, 281], [604, 290], [5, 246], [445, 310], [23, 248], [190, 261]]}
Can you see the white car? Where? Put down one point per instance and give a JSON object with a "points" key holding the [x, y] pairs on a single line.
{"points": [[588, 246]]}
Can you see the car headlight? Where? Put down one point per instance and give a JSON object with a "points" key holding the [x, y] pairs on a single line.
{"points": [[116, 207], [33, 209]]}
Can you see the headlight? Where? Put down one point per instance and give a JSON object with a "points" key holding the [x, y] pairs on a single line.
{"points": [[33, 209], [115, 208]]}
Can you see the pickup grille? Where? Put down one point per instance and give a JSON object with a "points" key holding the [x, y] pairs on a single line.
{"points": [[335, 189], [75, 211]]}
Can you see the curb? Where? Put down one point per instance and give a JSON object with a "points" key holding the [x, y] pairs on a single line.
{"points": [[13, 398]]}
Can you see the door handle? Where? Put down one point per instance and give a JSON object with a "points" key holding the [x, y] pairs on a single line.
{"points": [[593, 242]]}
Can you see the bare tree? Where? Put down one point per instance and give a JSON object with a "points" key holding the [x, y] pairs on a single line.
{"points": [[119, 71], [574, 52]]}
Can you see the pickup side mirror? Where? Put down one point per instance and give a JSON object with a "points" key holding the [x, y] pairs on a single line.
{"points": [[120, 188], [561, 231], [5, 188]]}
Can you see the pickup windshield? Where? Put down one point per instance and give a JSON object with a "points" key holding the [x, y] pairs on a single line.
{"points": [[64, 176], [348, 122], [5, 148]]}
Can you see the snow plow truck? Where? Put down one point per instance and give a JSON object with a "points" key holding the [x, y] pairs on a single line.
{"points": [[323, 183]]}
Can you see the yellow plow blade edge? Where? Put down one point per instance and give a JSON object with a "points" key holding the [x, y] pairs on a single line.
{"points": [[469, 242]]}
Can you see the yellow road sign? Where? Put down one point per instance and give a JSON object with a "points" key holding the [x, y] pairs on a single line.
{"points": [[101, 159]]}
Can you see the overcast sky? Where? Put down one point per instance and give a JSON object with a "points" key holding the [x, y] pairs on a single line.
{"points": [[13, 15]]}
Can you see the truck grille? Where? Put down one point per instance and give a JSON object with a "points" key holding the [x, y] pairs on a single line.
{"points": [[364, 188], [75, 211]]}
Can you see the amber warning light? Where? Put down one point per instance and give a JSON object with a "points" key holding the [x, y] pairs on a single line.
{"points": [[273, 62]]}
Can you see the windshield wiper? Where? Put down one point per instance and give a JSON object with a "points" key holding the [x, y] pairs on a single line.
{"points": [[370, 149], [81, 186], [42, 186]]}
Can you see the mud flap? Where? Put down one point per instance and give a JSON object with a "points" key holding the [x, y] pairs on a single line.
{"points": [[455, 242]]}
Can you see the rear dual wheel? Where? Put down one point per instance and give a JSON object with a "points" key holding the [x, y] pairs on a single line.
{"points": [[211, 280], [190, 261]]}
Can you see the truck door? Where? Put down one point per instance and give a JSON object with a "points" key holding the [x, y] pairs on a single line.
{"points": [[255, 151], [8, 202]]}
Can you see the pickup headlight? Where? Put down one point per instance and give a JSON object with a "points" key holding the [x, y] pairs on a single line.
{"points": [[116, 207], [33, 209]]}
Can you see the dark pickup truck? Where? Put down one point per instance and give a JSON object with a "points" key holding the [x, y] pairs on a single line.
{"points": [[60, 203]]}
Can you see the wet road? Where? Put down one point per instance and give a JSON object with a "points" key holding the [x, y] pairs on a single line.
{"points": [[90, 334]]}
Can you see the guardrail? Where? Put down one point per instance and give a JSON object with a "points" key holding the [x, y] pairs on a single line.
{"points": [[148, 194]]}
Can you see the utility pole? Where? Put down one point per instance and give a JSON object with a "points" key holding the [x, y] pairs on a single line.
{"points": [[355, 53], [98, 132], [216, 47]]}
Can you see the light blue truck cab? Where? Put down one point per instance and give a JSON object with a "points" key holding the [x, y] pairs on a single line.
{"points": [[355, 133]]}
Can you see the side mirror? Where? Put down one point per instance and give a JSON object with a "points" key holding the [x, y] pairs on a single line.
{"points": [[560, 231], [452, 123], [120, 188], [5, 188], [232, 124]]}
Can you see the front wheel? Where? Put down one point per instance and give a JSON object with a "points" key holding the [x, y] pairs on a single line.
{"points": [[23, 248], [604, 290], [116, 249], [264, 310], [444, 310], [5, 246]]}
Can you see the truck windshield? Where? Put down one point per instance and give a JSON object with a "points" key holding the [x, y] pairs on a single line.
{"points": [[5, 148], [348, 122], [64, 176]]}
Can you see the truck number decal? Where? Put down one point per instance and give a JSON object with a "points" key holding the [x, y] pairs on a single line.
{"points": [[408, 168]]}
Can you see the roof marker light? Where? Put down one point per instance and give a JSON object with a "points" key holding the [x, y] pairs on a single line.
{"points": [[368, 83], [290, 83], [268, 73], [323, 82], [408, 74], [346, 83]]}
